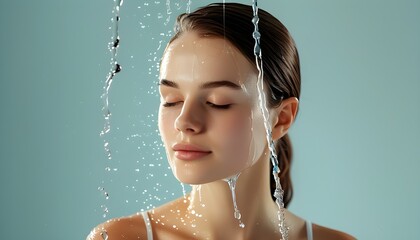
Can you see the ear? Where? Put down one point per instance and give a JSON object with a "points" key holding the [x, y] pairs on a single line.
{"points": [[283, 117]]}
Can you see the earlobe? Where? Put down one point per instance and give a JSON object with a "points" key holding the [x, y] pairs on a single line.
{"points": [[283, 117]]}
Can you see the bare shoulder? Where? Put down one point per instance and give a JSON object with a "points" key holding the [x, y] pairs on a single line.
{"points": [[130, 227], [321, 233]]}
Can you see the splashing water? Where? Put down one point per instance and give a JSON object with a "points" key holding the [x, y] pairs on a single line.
{"points": [[232, 185], [278, 193]]}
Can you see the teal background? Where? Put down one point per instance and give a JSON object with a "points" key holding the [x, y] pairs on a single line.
{"points": [[356, 139]]}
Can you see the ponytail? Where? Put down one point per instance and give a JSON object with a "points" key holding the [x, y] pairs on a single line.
{"points": [[284, 156]]}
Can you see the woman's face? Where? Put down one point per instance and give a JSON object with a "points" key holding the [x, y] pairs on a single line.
{"points": [[209, 117]]}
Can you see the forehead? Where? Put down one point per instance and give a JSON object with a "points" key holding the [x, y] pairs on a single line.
{"points": [[199, 58]]}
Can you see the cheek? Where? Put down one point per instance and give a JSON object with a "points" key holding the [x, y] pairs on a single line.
{"points": [[243, 138], [234, 135], [167, 133], [165, 124], [259, 137]]}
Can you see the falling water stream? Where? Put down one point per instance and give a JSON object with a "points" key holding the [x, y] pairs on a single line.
{"points": [[278, 193], [232, 185], [114, 69]]}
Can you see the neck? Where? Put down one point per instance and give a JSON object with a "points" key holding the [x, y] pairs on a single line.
{"points": [[213, 205]]}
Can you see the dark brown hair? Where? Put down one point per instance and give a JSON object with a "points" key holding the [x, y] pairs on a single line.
{"points": [[232, 21]]}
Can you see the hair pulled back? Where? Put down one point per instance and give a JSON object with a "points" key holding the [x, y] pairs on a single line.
{"points": [[232, 21]]}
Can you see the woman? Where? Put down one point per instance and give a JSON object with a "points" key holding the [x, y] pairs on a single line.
{"points": [[213, 130]]}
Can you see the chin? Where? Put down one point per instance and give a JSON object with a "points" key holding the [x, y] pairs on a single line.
{"points": [[195, 177], [199, 179], [203, 172], [193, 180]]}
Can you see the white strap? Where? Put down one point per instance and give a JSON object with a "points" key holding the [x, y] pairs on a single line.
{"points": [[309, 234], [148, 225]]}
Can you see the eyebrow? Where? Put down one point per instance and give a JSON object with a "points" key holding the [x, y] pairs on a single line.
{"points": [[214, 84]]}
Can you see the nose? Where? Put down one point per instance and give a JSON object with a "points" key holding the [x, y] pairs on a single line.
{"points": [[191, 119]]}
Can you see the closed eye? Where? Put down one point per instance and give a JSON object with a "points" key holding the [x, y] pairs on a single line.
{"points": [[225, 106], [216, 106], [170, 104]]}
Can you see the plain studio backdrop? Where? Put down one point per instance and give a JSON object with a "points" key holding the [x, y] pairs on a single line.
{"points": [[356, 138]]}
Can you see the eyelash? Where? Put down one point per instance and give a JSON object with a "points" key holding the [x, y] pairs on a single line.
{"points": [[222, 107]]}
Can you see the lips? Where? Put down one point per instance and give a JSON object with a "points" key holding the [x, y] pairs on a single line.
{"points": [[189, 152]]}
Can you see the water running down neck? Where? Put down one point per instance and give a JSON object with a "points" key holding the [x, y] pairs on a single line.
{"points": [[232, 186]]}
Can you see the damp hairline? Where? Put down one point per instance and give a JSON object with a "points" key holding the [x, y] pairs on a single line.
{"points": [[229, 48], [204, 33]]}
